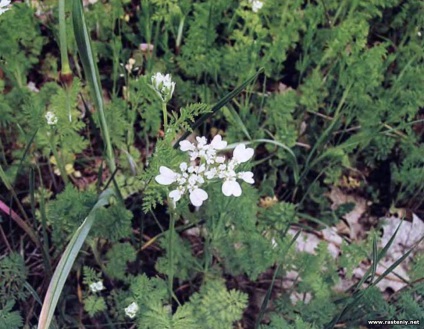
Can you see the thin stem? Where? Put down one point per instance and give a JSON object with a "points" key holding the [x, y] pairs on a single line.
{"points": [[59, 161], [171, 253], [170, 248], [42, 213], [165, 117]]}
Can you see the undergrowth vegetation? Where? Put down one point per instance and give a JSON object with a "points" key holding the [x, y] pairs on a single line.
{"points": [[114, 215]]}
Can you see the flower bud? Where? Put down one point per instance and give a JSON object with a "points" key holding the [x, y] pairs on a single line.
{"points": [[163, 86]]}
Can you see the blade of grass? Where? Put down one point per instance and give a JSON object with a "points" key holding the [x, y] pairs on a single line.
{"points": [[87, 57], [233, 113], [34, 294], [44, 251], [355, 300], [396, 263], [392, 267], [21, 223], [380, 255], [219, 105], [374, 258], [358, 295], [67, 260], [47, 260], [274, 277], [325, 136]]}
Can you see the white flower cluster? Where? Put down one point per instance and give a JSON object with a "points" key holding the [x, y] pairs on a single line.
{"points": [[256, 5], [163, 85], [132, 310], [51, 118], [96, 286], [211, 166], [4, 6]]}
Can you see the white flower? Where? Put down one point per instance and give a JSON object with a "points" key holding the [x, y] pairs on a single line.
{"points": [[217, 143], [247, 176], [176, 195], [4, 6], [97, 286], [231, 187], [256, 5], [220, 159], [210, 166], [166, 177], [242, 154], [132, 310], [187, 146], [210, 174], [197, 196], [51, 118], [163, 85]]}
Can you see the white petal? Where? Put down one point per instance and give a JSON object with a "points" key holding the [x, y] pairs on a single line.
{"points": [[201, 168], [247, 176], [197, 197], [183, 166], [175, 195], [211, 173], [166, 177], [231, 188], [131, 310], [242, 154], [256, 5], [186, 146], [220, 159], [217, 143], [201, 142]]}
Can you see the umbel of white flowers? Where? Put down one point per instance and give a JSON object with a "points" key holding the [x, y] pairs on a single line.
{"points": [[256, 5], [51, 118], [210, 167], [96, 286], [163, 86], [4, 6], [131, 310]]}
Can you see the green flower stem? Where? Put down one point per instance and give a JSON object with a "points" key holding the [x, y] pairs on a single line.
{"points": [[165, 117], [170, 250], [59, 161], [63, 39]]}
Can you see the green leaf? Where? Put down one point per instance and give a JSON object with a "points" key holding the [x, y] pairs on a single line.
{"points": [[65, 264], [219, 105], [91, 71]]}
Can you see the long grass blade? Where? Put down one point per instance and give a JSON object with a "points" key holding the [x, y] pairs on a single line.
{"points": [[374, 258], [274, 277], [87, 57], [219, 105], [380, 255], [65, 264]]}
